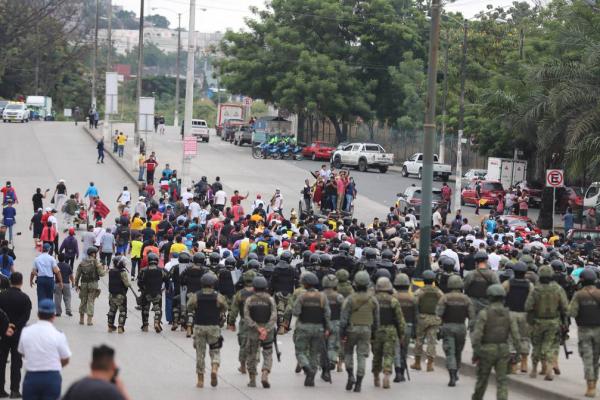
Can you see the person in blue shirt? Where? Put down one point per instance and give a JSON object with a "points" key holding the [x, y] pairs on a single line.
{"points": [[568, 219], [92, 191], [490, 224], [6, 262], [9, 214], [167, 171]]}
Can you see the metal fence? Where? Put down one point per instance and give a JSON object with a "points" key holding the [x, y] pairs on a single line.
{"points": [[400, 142]]}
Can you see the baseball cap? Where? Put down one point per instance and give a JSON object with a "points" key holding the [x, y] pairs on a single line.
{"points": [[47, 246], [46, 306]]}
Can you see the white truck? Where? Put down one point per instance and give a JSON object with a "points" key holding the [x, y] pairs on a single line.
{"points": [[507, 171], [228, 111], [40, 107], [362, 156], [200, 130], [15, 111], [414, 166]]}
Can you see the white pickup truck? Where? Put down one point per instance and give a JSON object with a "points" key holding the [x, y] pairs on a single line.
{"points": [[200, 130], [362, 156], [414, 166]]}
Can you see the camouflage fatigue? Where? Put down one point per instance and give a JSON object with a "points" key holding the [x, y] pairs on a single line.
{"points": [[345, 289], [88, 292], [309, 337], [88, 273], [286, 317], [156, 303], [253, 342], [206, 336], [334, 347], [179, 308], [427, 325], [492, 355], [453, 333], [117, 302], [387, 337], [242, 330], [589, 337], [401, 352], [524, 332], [359, 337], [282, 301]]}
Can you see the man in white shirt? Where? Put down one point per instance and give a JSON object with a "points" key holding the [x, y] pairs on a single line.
{"points": [[220, 199], [99, 231], [437, 218], [45, 351], [324, 172], [257, 202], [449, 252], [124, 197], [277, 202], [140, 207], [494, 259], [186, 196], [194, 210]]}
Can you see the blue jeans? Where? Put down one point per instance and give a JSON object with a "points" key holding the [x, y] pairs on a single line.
{"points": [[42, 385], [333, 202], [141, 173], [349, 199], [121, 148], [45, 288], [169, 306], [10, 232]]}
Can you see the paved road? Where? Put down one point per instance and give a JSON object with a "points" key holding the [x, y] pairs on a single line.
{"points": [[154, 366]]}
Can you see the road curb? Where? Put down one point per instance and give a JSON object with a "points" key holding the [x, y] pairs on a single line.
{"points": [[116, 159]]}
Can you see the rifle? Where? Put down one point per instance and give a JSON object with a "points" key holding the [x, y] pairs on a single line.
{"points": [[404, 364], [564, 336], [325, 365], [277, 352]]}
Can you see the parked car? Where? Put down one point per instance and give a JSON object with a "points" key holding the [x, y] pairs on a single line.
{"points": [[579, 235], [592, 195], [229, 128], [414, 166], [413, 198], [534, 191], [490, 190], [362, 156], [200, 130], [15, 112], [242, 135], [569, 196], [3, 104], [473, 174], [318, 150]]}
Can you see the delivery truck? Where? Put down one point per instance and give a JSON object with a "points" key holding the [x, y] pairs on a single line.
{"points": [[507, 171]]}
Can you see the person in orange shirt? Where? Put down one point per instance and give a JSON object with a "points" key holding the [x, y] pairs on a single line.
{"points": [[151, 248]]}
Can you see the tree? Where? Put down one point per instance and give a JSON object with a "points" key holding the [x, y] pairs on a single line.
{"points": [[158, 21]]}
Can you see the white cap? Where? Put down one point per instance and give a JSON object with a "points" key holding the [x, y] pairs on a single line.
{"points": [[48, 209], [61, 181]]}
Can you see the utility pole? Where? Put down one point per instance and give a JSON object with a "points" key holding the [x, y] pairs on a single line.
{"points": [[109, 36], [461, 119], [177, 72], [139, 71], [189, 87], [442, 150], [424, 262], [95, 57]]}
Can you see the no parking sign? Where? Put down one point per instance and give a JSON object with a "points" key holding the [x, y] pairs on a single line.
{"points": [[555, 178]]}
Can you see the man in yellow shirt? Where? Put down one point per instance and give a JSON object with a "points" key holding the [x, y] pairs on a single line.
{"points": [[178, 246], [136, 252], [141, 166], [121, 140]]}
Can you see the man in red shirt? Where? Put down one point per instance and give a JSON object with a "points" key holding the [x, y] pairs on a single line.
{"points": [[236, 198], [9, 193], [151, 165], [447, 195]]}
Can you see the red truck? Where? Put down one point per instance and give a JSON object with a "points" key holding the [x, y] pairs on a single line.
{"points": [[228, 111]]}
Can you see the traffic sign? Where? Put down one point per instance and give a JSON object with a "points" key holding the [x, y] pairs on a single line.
{"points": [[555, 178], [248, 101], [190, 146]]}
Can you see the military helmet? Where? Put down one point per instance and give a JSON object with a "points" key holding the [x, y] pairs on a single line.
{"points": [[495, 290], [286, 256], [362, 279], [428, 275], [520, 266], [383, 284], [342, 275], [329, 281], [401, 280], [209, 279], [270, 259], [370, 253], [344, 246], [252, 256], [260, 283], [509, 265], [253, 264], [199, 258], [248, 276], [230, 261], [546, 272], [446, 263], [325, 260], [387, 254], [527, 259], [455, 282], [120, 262], [92, 250], [557, 265], [306, 256], [116, 260], [314, 260], [184, 258], [214, 257], [152, 258], [588, 275], [382, 273], [481, 256], [410, 261], [309, 279]]}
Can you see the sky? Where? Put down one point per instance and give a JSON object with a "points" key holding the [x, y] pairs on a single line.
{"points": [[212, 15]]}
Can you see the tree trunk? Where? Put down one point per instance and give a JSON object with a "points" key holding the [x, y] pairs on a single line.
{"points": [[545, 218], [339, 134]]}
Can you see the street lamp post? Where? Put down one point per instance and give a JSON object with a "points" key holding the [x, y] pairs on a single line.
{"points": [[461, 118], [429, 127], [109, 36], [95, 56], [139, 71], [189, 87]]}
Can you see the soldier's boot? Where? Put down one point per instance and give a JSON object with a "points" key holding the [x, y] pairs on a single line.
{"points": [[386, 380], [358, 384], [376, 379], [89, 320], [524, 367], [200, 381], [121, 329], [555, 365], [213, 375], [429, 364], [281, 330], [81, 319], [452, 373], [188, 332], [157, 327], [533, 373], [145, 327], [326, 374], [591, 389], [242, 368], [544, 367], [252, 380], [549, 371], [111, 328], [339, 365], [309, 380], [174, 326], [298, 368], [350, 382], [514, 368], [264, 379], [399, 374], [417, 364]]}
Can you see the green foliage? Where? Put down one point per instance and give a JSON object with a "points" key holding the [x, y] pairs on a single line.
{"points": [[158, 21]]}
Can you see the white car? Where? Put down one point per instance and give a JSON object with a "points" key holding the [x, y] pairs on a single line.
{"points": [[414, 166], [362, 156], [475, 174], [15, 112]]}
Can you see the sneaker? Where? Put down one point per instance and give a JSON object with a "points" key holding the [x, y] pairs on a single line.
{"points": [[58, 315], [69, 313]]}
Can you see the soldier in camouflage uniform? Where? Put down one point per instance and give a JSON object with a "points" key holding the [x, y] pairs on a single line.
{"points": [[489, 339], [118, 283], [329, 285], [390, 332], [190, 283], [208, 307], [360, 317], [409, 312], [180, 290], [428, 323], [344, 286], [312, 327], [477, 281], [517, 290], [453, 309], [282, 285], [87, 276], [585, 308], [260, 316], [546, 305], [150, 282], [237, 307]]}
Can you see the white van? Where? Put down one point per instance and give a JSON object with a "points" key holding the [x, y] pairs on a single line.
{"points": [[200, 130], [592, 195]]}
